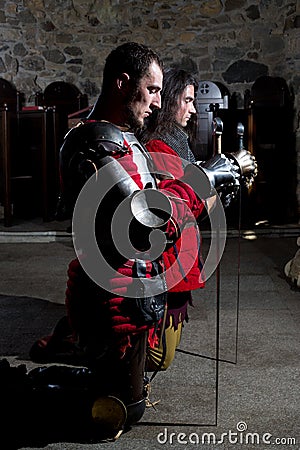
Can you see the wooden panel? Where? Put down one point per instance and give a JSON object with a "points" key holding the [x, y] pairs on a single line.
{"points": [[37, 156]]}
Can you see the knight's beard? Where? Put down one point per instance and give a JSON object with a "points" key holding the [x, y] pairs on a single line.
{"points": [[134, 123]]}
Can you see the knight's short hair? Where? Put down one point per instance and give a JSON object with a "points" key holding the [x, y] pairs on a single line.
{"points": [[131, 58]]}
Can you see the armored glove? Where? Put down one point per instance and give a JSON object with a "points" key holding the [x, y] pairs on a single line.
{"points": [[220, 171], [217, 173], [246, 164]]}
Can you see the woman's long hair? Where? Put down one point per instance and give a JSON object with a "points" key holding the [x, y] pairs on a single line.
{"points": [[162, 120]]}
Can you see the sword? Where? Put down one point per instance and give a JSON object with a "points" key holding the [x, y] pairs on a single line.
{"points": [[246, 161]]}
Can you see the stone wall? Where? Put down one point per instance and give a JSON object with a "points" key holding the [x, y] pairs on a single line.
{"points": [[230, 41]]}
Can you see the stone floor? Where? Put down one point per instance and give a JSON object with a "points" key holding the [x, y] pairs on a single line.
{"points": [[250, 399]]}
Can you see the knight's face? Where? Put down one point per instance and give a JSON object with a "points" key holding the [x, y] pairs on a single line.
{"points": [[147, 96]]}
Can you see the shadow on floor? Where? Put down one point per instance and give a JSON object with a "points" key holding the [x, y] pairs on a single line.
{"points": [[37, 416]]}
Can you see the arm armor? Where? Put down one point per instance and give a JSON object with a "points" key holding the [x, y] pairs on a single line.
{"points": [[212, 175], [79, 158], [89, 148]]}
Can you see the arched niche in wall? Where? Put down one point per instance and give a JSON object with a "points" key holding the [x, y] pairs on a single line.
{"points": [[274, 147]]}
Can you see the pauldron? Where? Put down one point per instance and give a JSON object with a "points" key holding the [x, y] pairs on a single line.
{"points": [[80, 155]]}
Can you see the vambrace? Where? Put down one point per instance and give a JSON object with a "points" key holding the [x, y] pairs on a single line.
{"points": [[213, 176]]}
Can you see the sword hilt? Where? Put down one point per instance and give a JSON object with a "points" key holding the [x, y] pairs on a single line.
{"points": [[240, 133], [217, 128]]}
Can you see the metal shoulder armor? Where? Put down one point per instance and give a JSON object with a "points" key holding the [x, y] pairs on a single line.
{"points": [[92, 140], [82, 153]]}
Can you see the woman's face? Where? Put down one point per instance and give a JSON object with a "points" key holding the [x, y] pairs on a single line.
{"points": [[185, 106]]}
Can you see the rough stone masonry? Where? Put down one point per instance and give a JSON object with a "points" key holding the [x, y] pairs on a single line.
{"points": [[228, 41]]}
